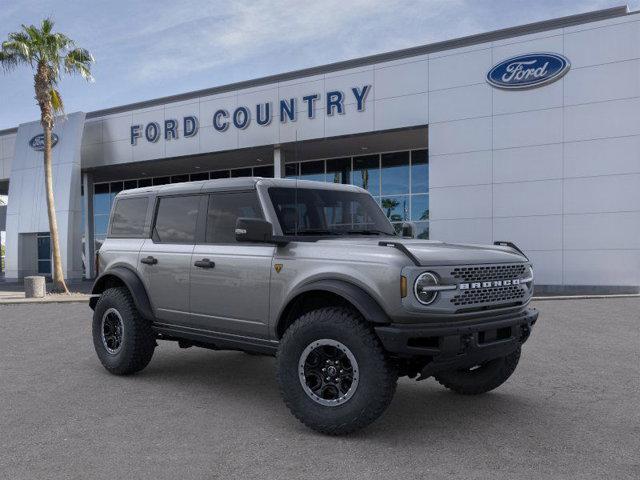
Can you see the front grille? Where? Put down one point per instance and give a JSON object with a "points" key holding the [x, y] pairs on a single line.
{"points": [[482, 273], [489, 295]]}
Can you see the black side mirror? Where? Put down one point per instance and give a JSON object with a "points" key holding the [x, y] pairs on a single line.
{"points": [[408, 230], [254, 230]]}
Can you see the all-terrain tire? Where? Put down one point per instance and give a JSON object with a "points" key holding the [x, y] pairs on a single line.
{"points": [[481, 379], [138, 340], [377, 376]]}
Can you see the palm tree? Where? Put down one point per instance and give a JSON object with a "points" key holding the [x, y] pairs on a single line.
{"points": [[47, 53], [389, 204]]}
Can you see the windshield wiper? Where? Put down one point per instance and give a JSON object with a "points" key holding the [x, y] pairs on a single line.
{"points": [[315, 232], [368, 232]]}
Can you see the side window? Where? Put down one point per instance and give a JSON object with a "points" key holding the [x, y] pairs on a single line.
{"points": [[224, 209], [129, 215], [176, 219]]}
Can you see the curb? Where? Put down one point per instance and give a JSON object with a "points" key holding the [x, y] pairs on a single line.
{"points": [[18, 301], [584, 297]]}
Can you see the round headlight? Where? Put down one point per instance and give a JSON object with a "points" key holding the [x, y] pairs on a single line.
{"points": [[422, 288], [529, 278]]}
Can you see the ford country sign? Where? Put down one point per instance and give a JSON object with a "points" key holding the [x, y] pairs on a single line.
{"points": [[37, 142], [283, 110], [528, 71]]}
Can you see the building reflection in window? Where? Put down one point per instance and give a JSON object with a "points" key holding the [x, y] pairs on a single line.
{"points": [[366, 173]]}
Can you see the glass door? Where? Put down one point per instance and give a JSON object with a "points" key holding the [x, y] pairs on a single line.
{"points": [[44, 253]]}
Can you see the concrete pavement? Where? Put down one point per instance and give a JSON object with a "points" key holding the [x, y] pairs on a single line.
{"points": [[569, 411]]}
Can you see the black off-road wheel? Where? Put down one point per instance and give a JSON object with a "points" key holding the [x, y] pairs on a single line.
{"points": [[480, 378], [333, 372], [122, 339]]}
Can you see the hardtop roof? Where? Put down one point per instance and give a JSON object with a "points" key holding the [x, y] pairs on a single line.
{"points": [[231, 184]]}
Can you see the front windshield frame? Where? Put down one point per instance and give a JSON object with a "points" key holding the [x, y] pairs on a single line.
{"points": [[310, 209]]}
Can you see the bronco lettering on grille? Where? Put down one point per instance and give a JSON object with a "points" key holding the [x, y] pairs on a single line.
{"points": [[493, 283]]}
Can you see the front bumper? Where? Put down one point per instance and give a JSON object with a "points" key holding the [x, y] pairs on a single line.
{"points": [[447, 346]]}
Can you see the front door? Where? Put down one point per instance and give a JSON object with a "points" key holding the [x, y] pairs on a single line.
{"points": [[230, 280], [44, 253], [165, 259]]}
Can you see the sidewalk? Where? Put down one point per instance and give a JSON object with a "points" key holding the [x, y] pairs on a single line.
{"points": [[13, 293]]}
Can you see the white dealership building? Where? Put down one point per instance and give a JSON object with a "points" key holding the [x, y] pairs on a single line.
{"points": [[529, 134]]}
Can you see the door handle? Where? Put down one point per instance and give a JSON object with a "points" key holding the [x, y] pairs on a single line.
{"points": [[149, 260], [204, 263]]}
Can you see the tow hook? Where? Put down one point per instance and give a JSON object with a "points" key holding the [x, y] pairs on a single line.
{"points": [[526, 331]]}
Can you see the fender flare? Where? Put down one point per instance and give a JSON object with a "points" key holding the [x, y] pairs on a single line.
{"points": [[132, 281], [368, 307]]}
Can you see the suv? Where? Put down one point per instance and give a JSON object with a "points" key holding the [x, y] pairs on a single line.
{"points": [[314, 274]]}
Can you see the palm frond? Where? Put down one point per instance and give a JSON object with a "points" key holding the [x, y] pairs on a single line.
{"points": [[79, 60], [56, 101], [8, 60], [47, 25], [19, 37], [35, 35], [20, 44]]}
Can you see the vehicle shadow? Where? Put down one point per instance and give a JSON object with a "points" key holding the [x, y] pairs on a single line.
{"points": [[418, 407]]}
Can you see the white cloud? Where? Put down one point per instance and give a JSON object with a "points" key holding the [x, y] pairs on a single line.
{"points": [[147, 49], [239, 31]]}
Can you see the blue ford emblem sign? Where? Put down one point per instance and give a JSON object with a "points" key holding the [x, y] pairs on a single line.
{"points": [[528, 71], [37, 142]]}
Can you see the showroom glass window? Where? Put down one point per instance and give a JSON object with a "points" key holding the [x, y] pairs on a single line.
{"points": [[399, 181]]}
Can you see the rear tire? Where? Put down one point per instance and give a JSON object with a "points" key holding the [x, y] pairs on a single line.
{"points": [[123, 340], [481, 379], [362, 382]]}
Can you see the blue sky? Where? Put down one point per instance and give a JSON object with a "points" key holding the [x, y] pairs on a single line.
{"points": [[145, 50]]}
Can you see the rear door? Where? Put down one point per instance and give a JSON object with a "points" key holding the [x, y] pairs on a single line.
{"points": [[165, 258], [230, 280]]}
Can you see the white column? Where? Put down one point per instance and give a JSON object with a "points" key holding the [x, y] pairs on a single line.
{"points": [[278, 163], [89, 244]]}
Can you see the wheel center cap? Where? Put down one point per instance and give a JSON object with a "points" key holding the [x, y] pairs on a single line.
{"points": [[332, 370]]}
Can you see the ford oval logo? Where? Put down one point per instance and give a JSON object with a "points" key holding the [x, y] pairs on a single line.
{"points": [[528, 71], [37, 142]]}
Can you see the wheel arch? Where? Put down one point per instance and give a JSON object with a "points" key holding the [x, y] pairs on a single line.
{"points": [[121, 276], [329, 292]]}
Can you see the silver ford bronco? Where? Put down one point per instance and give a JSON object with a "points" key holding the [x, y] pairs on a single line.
{"points": [[314, 274]]}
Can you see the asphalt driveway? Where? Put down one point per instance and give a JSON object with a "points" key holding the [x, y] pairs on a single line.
{"points": [[570, 411]]}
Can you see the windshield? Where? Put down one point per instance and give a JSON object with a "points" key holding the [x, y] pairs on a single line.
{"points": [[310, 211]]}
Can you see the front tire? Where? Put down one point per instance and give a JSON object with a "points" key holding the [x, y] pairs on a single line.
{"points": [[123, 340], [482, 378], [333, 374]]}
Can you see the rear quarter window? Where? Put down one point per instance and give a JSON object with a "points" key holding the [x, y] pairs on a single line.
{"points": [[129, 215]]}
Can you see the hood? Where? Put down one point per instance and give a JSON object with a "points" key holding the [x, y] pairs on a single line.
{"points": [[431, 252], [440, 253]]}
